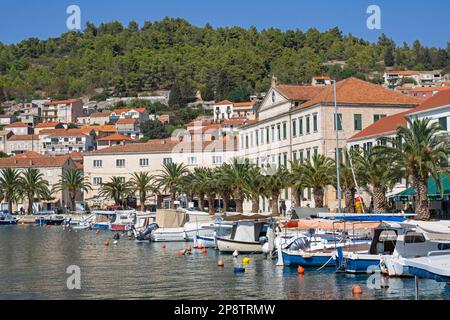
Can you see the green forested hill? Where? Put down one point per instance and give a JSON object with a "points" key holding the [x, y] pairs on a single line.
{"points": [[173, 54]]}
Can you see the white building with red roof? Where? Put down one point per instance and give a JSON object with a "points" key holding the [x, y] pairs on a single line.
{"points": [[226, 109], [66, 111]]}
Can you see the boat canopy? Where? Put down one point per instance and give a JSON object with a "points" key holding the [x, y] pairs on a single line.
{"points": [[238, 217], [166, 218], [325, 224]]}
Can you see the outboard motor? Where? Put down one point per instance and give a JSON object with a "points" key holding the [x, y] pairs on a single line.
{"points": [[145, 235]]}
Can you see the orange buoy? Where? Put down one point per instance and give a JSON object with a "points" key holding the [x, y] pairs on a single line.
{"points": [[356, 290], [200, 247], [190, 248], [181, 253], [300, 270], [220, 263], [106, 243], [163, 246]]}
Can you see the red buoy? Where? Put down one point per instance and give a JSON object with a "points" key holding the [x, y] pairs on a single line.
{"points": [[300, 270]]}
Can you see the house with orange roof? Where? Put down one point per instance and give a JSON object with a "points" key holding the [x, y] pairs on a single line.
{"points": [[141, 114], [421, 92], [392, 78], [62, 142], [295, 122], [19, 128], [114, 140], [130, 127], [48, 126], [321, 81], [21, 143], [226, 109], [96, 118], [51, 168], [66, 111]]}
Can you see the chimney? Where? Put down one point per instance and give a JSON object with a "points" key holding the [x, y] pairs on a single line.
{"points": [[274, 81]]}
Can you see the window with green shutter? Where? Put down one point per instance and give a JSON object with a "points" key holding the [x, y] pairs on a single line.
{"points": [[358, 122], [294, 128], [315, 125], [338, 121]]}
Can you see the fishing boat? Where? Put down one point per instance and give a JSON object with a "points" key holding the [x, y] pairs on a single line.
{"points": [[50, 220], [383, 243], [7, 219], [123, 221], [103, 219], [219, 229], [247, 236], [318, 251], [83, 224]]}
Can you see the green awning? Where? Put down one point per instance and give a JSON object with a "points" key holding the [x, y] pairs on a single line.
{"points": [[433, 190]]}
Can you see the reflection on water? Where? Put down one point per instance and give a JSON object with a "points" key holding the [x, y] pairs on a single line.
{"points": [[33, 262]]}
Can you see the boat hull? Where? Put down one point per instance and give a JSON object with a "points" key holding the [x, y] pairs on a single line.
{"points": [[362, 263], [45, 222], [100, 226], [206, 242], [229, 246], [120, 227], [308, 261], [8, 222], [169, 235]]}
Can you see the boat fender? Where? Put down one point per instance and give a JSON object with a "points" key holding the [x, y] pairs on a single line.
{"points": [[235, 253], [246, 260]]}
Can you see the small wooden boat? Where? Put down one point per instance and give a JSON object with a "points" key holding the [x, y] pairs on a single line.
{"points": [[246, 237]]}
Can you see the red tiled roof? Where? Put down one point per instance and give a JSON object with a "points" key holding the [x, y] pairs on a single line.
{"points": [[116, 137], [299, 93], [166, 145], [383, 126], [47, 125], [120, 111], [55, 102], [423, 89], [17, 125], [243, 104], [356, 91], [79, 166], [224, 102], [126, 121], [103, 114], [390, 124], [71, 132], [322, 78], [44, 161], [106, 128], [24, 137], [234, 121], [28, 155], [403, 73]]}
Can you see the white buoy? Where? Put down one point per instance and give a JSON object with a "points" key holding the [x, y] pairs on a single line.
{"points": [[116, 242], [280, 262], [235, 253]]}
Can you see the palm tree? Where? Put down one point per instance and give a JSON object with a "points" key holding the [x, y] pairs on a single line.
{"points": [[33, 185], [318, 174], [74, 182], [10, 186], [225, 190], [421, 151], [117, 189], [347, 179], [209, 178], [379, 175], [197, 185], [143, 183], [171, 179], [236, 175], [255, 186], [274, 183], [297, 182]]}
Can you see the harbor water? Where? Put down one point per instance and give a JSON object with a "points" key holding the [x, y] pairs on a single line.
{"points": [[34, 262]]}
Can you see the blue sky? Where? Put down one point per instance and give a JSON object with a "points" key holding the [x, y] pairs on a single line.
{"points": [[403, 20]]}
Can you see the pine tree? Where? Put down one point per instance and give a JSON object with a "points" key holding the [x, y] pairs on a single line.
{"points": [[175, 100], [389, 59]]}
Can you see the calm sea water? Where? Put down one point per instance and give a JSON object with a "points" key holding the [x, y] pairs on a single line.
{"points": [[33, 263]]}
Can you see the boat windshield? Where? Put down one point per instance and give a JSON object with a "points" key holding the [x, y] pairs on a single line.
{"points": [[299, 244]]}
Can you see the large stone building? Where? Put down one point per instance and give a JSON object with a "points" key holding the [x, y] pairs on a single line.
{"points": [[295, 122]]}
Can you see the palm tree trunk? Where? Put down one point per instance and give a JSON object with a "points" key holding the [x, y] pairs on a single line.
{"points": [[143, 196], [239, 206], [255, 204], [275, 210], [201, 202], [72, 201], [422, 211], [297, 200], [30, 204], [379, 199], [172, 201], [10, 206], [226, 202], [349, 196], [211, 209], [318, 195]]}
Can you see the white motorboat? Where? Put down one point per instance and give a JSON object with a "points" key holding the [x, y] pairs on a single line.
{"points": [[220, 229], [247, 236], [413, 243], [181, 226], [436, 266]]}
